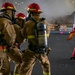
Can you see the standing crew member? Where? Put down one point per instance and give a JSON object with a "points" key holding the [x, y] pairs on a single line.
{"points": [[7, 36], [20, 21], [36, 30]]}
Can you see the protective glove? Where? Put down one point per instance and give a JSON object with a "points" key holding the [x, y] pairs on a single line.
{"points": [[49, 49]]}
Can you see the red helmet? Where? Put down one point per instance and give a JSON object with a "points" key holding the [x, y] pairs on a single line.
{"points": [[20, 16], [6, 6], [34, 7]]}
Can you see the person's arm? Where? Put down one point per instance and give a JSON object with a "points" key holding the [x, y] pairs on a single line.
{"points": [[24, 30], [9, 33], [19, 37], [1, 25]]}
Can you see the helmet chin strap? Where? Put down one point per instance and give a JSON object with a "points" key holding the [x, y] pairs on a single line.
{"points": [[13, 14]]}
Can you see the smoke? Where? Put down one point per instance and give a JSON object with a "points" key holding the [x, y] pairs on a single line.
{"points": [[56, 8], [50, 8]]}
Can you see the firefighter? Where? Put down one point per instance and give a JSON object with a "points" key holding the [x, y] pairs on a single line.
{"points": [[20, 20], [37, 31], [7, 36], [14, 53]]}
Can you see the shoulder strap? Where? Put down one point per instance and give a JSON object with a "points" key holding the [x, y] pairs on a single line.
{"points": [[42, 19], [29, 18], [35, 31], [33, 20]]}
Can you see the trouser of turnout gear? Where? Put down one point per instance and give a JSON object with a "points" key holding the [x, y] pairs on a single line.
{"points": [[17, 69], [15, 54], [28, 60], [4, 62]]}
